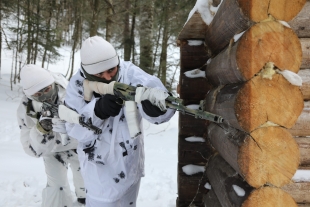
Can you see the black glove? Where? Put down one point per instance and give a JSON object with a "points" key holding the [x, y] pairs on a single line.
{"points": [[150, 109], [46, 124], [108, 105]]}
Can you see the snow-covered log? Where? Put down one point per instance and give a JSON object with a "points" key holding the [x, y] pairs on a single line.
{"points": [[194, 28], [264, 42]]}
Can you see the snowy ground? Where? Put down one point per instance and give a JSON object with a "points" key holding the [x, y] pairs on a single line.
{"points": [[22, 177]]}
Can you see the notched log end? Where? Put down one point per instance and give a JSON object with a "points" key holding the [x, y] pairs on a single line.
{"points": [[258, 10], [269, 155], [269, 196]]}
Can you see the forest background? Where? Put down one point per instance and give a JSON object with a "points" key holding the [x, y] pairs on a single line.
{"points": [[142, 31]]}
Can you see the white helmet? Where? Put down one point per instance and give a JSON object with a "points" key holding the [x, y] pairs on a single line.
{"points": [[98, 55]]}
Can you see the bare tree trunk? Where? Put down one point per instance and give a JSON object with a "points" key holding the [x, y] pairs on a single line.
{"points": [[48, 33], [76, 35], [17, 42], [158, 36], [0, 35], [95, 15], [109, 20], [11, 78], [163, 55], [127, 37], [37, 33], [146, 35], [132, 36], [28, 32]]}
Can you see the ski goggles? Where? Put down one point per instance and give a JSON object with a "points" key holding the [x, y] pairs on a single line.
{"points": [[43, 91]]}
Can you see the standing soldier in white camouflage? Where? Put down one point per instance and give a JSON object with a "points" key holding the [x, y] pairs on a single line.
{"points": [[112, 163]]}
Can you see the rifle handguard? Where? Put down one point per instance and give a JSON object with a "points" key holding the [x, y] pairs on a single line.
{"points": [[98, 87]]}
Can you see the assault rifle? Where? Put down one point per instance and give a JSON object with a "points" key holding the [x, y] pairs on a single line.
{"points": [[49, 109], [127, 93]]}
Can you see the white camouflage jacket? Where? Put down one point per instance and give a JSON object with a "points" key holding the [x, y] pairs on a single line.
{"points": [[110, 162], [34, 142]]}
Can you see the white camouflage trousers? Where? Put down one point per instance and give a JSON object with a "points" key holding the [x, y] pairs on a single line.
{"points": [[128, 200], [57, 192]]}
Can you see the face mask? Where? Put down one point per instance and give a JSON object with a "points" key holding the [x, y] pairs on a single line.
{"points": [[47, 94], [102, 80]]}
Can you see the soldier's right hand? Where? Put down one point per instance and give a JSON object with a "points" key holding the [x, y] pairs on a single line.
{"points": [[108, 105]]}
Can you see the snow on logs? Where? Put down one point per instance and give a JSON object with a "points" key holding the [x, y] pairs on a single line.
{"points": [[232, 190], [264, 42], [247, 106], [236, 16]]}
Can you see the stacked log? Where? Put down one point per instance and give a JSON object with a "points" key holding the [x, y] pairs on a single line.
{"points": [[244, 84]]}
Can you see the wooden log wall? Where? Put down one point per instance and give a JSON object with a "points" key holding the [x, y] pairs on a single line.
{"points": [[266, 117], [300, 190], [190, 187]]}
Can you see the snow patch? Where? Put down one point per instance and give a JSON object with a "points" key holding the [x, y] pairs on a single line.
{"points": [[192, 169], [207, 186], [239, 191], [291, 77], [284, 23], [196, 73], [194, 42], [237, 36], [195, 139], [302, 176], [206, 10]]}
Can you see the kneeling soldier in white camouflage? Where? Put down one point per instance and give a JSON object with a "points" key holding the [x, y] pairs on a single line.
{"points": [[43, 135]]}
